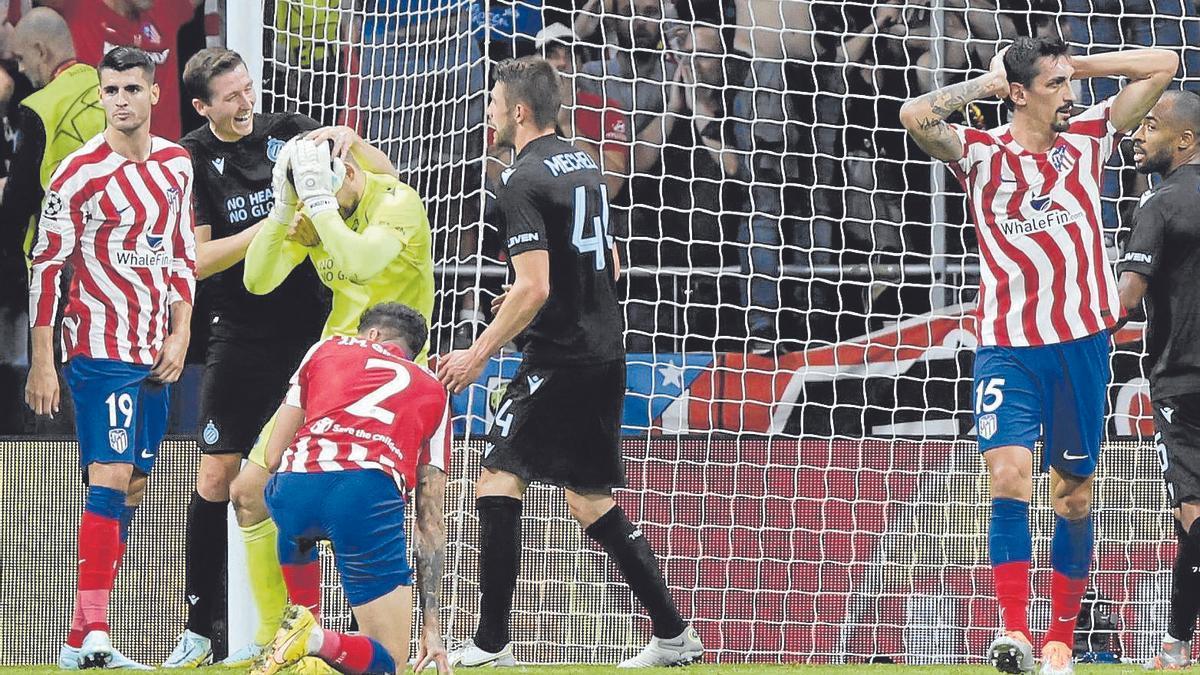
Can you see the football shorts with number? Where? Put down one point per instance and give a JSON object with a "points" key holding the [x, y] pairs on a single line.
{"points": [[1177, 436], [1056, 392], [561, 425], [120, 414]]}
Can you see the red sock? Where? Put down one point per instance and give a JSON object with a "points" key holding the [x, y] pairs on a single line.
{"points": [[304, 585], [1012, 592], [1066, 594], [347, 653], [99, 546], [75, 636]]}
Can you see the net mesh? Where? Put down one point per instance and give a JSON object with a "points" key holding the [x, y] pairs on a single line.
{"points": [[795, 268]]}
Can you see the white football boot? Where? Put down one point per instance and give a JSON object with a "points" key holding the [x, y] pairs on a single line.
{"points": [[471, 656], [1011, 652], [69, 659], [1057, 659], [680, 650], [192, 651]]}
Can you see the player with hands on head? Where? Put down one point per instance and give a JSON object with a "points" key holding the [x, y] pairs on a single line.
{"points": [[363, 425], [373, 237], [119, 212], [1047, 300]]}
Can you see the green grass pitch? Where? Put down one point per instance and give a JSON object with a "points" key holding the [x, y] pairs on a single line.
{"points": [[692, 670]]}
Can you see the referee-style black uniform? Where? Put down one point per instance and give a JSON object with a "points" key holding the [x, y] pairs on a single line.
{"points": [[1165, 249], [560, 420]]}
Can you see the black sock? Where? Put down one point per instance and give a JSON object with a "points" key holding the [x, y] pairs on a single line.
{"points": [[632, 553], [499, 563], [1185, 583], [207, 545]]}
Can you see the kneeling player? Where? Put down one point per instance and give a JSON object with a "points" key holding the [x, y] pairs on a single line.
{"points": [[360, 426]]}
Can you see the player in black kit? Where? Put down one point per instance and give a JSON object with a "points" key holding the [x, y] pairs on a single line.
{"points": [[255, 342], [560, 419], [1162, 263]]}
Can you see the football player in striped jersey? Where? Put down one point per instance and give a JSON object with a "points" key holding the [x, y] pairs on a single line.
{"points": [[1047, 299]]}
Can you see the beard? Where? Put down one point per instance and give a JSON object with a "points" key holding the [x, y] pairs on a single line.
{"points": [[1156, 163], [1060, 125], [504, 135]]}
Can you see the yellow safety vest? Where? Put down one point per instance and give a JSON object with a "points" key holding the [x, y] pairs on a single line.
{"points": [[71, 114]]}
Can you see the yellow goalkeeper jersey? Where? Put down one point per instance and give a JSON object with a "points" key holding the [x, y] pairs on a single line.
{"points": [[381, 252]]}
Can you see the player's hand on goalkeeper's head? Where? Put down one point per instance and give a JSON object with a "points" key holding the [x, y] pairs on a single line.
{"points": [[286, 200], [314, 176], [343, 138]]}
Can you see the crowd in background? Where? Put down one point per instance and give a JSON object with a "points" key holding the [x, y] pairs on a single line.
{"points": [[764, 194]]}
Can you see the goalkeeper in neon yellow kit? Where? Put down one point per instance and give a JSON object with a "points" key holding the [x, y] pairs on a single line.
{"points": [[370, 243]]}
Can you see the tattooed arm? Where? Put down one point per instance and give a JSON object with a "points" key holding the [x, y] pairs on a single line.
{"points": [[431, 558], [925, 116]]}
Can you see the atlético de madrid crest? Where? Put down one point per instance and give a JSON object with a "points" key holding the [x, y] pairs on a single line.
{"points": [[274, 145]]}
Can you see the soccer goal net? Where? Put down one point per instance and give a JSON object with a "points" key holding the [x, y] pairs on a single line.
{"points": [[799, 283]]}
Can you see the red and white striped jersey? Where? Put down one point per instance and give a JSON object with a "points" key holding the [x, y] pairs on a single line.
{"points": [[367, 406], [126, 230], [1044, 276]]}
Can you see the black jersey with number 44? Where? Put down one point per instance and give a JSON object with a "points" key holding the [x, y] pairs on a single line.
{"points": [[553, 198]]}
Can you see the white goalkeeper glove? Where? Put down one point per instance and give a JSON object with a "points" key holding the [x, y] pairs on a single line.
{"points": [[316, 180], [284, 208]]}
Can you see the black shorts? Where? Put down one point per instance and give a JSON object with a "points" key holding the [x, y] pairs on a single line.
{"points": [[1177, 436], [561, 425], [244, 382]]}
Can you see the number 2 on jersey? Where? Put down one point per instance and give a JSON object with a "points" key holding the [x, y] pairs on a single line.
{"points": [[601, 240], [368, 406]]}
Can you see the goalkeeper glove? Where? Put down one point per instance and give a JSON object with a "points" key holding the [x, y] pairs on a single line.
{"points": [[315, 176], [284, 208]]}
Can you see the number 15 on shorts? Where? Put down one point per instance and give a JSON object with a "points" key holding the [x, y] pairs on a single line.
{"points": [[989, 395]]}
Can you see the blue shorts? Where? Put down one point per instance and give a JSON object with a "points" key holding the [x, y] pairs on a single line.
{"points": [[1056, 392], [361, 512], [120, 415]]}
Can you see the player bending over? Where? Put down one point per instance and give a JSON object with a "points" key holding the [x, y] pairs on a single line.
{"points": [[560, 420], [1047, 298], [1162, 264], [361, 426], [119, 211]]}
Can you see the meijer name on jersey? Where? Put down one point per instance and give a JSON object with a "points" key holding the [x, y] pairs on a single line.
{"points": [[569, 162], [1039, 223]]}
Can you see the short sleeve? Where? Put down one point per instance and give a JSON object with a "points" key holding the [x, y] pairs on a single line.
{"points": [[202, 205], [524, 228], [295, 396], [974, 143], [1145, 246], [1096, 122]]}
